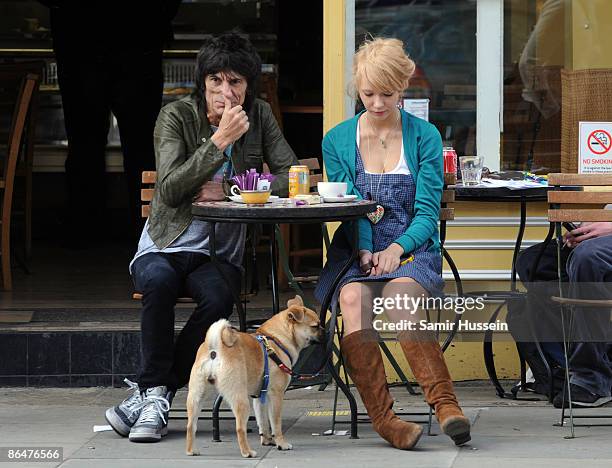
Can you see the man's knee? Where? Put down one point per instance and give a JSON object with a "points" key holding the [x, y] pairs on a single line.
{"points": [[217, 301], [581, 258], [153, 275], [591, 260], [222, 301]]}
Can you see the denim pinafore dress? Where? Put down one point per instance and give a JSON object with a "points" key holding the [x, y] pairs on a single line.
{"points": [[396, 193]]}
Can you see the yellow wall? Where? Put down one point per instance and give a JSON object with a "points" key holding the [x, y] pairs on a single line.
{"points": [[551, 38], [591, 30], [334, 32]]}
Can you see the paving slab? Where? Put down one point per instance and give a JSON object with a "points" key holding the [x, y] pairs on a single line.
{"points": [[505, 434]]}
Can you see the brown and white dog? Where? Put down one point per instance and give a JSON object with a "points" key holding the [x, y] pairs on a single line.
{"points": [[234, 363]]}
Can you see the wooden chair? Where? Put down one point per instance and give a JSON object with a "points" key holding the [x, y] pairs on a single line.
{"points": [[146, 196], [268, 91], [149, 179], [11, 75], [576, 197], [28, 84]]}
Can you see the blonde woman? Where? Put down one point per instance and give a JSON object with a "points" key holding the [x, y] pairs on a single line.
{"points": [[389, 156]]}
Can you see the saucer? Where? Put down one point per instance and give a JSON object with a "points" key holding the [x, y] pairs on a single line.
{"points": [[238, 198], [344, 199]]}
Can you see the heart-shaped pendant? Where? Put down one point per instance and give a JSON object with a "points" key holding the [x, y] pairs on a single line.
{"points": [[376, 216]]}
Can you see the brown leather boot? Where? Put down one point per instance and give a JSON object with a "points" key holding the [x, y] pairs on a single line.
{"points": [[364, 364], [429, 368]]}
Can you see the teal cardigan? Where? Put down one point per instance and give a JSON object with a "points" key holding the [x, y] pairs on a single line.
{"points": [[423, 152]]}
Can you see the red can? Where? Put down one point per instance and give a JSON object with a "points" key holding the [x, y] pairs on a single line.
{"points": [[450, 160]]}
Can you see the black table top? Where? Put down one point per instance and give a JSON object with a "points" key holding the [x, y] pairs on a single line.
{"points": [[500, 194], [232, 212]]}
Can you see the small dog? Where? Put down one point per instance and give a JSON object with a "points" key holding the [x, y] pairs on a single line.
{"points": [[234, 363]]}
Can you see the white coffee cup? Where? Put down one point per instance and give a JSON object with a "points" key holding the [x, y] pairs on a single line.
{"points": [[331, 189]]}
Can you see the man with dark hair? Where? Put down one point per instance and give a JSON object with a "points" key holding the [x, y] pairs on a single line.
{"points": [[200, 141]]}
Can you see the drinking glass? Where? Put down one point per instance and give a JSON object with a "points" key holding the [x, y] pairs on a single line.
{"points": [[471, 169]]}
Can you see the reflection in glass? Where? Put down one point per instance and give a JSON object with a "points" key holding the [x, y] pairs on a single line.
{"points": [[534, 37], [440, 37]]}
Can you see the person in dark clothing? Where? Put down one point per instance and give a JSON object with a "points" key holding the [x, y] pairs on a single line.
{"points": [[109, 59], [200, 141], [586, 267]]}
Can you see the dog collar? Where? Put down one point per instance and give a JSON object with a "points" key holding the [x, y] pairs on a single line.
{"points": [[270, 352], [282, 348]]}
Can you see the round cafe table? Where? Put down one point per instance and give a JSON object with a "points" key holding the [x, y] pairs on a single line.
{"points": [[280, 213], [488, 194]]}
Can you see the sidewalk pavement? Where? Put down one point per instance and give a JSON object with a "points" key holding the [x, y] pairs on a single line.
{"points": [[505, 433]]}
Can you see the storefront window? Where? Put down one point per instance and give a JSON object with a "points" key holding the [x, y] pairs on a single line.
{"points": [[557, 73], [440, 36], [534, 56]]}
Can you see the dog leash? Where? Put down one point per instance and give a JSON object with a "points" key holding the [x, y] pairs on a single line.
{"points": [[271, 353], [263, 391]]}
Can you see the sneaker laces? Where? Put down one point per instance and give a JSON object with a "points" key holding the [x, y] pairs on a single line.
{"points": [[152, 406], [135, 399]]}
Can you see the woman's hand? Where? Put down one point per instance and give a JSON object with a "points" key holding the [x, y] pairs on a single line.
{"points": [[387, 261], [365, 261]]}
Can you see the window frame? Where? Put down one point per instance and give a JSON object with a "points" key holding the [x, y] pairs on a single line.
{"points": [[489, 79]]}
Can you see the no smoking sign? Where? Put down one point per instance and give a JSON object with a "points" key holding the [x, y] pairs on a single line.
{"points": [[599, 142], [595, 148]]}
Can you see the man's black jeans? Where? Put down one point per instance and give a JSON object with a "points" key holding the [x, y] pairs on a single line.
{"points": [[162, 278], [590, 263]]}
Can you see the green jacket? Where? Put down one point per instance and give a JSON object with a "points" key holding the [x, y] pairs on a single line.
{"points": [[423, 152], [185, 158]]}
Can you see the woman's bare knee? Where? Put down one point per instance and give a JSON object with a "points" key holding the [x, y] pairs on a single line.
{"points": [[350, 305]]}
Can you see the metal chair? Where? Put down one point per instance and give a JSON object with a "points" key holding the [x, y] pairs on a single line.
{"points": [[446, 214], [572, 198]]}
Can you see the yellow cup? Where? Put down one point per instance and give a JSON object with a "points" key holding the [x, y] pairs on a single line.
{"points": [[255, 197], [252, 197]]}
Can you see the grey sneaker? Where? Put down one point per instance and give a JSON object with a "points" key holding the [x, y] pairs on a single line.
{"points": [[123, 416], [152, 423]]}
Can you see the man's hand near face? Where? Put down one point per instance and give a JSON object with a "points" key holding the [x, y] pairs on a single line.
{"points": [[234, 123]]}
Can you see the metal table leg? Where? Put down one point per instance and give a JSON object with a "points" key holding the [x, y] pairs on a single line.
{"points": [[331, 324], [488, 356], [517, 244], [212, 247], [215, 418], [273, 260]]}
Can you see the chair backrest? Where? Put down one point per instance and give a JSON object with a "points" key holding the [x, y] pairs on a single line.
{"points": [[11, 77], [448, 196], [146, 192], [268, 90], [579, 197], [29, 83], [315, 170]]}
